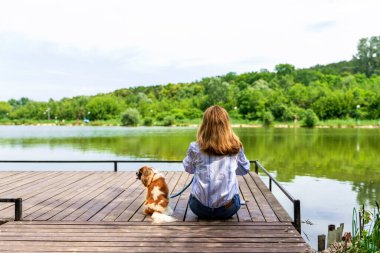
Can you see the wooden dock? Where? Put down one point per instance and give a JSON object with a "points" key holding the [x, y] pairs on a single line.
{"points": [[102, 211]]}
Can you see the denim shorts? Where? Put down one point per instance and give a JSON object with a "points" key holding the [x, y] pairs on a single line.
{"points": [[223, 212]]}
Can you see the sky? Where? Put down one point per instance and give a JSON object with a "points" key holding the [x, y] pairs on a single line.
{"points": [[55, 49]]}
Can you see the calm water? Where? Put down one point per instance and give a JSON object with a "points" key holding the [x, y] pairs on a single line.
{"points": [[329, 170]]}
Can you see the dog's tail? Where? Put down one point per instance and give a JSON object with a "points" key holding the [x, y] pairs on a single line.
{"points": [[161, 218]]}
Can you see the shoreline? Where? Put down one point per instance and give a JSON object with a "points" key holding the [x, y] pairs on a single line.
{"points": [[234, 125]]}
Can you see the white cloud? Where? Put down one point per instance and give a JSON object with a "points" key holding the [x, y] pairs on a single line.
{"points": [[103, 45]]}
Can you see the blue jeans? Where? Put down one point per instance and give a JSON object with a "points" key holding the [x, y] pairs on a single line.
{"points": [[223, 212]]}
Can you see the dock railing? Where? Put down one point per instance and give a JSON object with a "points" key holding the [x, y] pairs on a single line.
{"points": [[296, 203]]}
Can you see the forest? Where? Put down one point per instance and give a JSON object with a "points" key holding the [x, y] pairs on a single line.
{"points": [[344, 90]]}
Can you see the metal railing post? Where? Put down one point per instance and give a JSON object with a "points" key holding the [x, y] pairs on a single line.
{"points": [[18, 209], [297, 215], [256, 167], [115, 166], [270, 184], [296, 202]]}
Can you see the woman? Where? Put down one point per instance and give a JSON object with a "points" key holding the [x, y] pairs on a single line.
{"points": [[215, 160]]}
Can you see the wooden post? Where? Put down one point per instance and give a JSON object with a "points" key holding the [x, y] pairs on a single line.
{"points": [[330, 235], [321, 242], [334, 235], [339, 232]]}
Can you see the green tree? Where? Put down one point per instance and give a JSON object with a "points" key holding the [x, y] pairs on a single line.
{"points": [[253, 103], [216, 92], [67, 109], [131, 117], [284, 69], [368, 55], [5, 109], [103, 108]]}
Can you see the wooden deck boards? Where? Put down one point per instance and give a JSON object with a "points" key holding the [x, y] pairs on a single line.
{"points": [[39, 236], [102, 211]]}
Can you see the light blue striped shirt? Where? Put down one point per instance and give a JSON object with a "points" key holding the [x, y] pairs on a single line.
{"points": [[215, 181]]}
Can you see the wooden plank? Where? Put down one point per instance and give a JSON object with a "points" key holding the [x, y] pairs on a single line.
{"points": [[152, 248], [64, 194], [179, 203], [89, 228], [264, 206], [39, 185], [116, 203], [250, 202], [125, 210], [111, 224], [141, 236], [108, 196], [138, 199], [52, 188], [95, 197], [8, 174], [243, 213], [189, 216], [22, 181], [80, 199], [11, 178], [46, 189], [273, 202], [155, 231], [157, 243], [29, 193], [90, 183]]}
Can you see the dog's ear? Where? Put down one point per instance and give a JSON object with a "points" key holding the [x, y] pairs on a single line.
{"points": [[146, 172]]}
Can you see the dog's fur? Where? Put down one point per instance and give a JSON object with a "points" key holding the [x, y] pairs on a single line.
{"points": [[157, 194]]}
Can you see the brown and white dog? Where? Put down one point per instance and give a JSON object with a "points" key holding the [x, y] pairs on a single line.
{"points": [[157, 194]]}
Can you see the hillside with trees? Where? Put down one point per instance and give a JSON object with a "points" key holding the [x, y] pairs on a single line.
{"points": [[343, 90]]}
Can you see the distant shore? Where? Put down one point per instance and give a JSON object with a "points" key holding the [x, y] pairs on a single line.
{"points": [[334, 124]]}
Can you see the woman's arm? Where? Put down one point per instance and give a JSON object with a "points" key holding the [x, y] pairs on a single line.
{"points": [[243, 163], [189, 161]]}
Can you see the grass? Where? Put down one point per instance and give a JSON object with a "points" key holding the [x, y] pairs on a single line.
{"points": [[340, 123]]}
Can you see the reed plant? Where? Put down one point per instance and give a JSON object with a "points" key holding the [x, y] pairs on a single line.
{"points": [[365, 231]]}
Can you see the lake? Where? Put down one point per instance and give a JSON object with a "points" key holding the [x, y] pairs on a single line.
{"points": [[329, 170]]}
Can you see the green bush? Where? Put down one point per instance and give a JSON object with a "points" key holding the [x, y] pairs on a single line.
{"points": [[130, 117], [193, 113], [268, 118], [311, 119], [168, 121], [148, 121]]}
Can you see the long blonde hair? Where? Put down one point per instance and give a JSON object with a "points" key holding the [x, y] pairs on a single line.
{"points": [[215, 135]]}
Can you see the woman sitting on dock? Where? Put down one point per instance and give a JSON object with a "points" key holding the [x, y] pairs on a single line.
{"points": [[215, 159]]}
